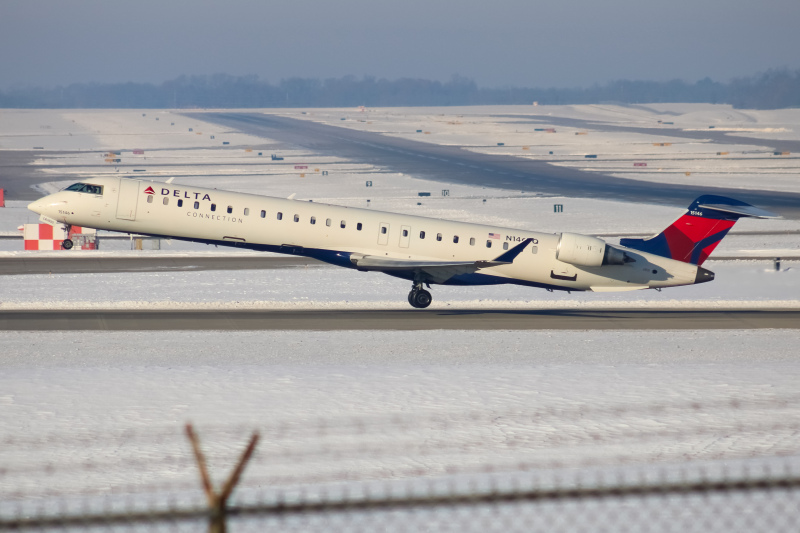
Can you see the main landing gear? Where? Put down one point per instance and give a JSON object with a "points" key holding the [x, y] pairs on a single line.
{"points": [[419, 297]]}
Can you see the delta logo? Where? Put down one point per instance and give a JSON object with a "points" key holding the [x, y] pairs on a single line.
{"points": [[179, 194]]}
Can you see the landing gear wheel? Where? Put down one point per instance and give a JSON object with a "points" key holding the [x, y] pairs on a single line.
{"points": [[66, 244], [420, 298]]}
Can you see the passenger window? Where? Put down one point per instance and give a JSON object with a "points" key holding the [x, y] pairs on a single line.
{"points": [[213, 206], [472, 241], [535, 249], [421, 234], [230, 209], [328, 222], [180, 203], [359, 226], [313, 220], [297, 218], [405, 233], [166, 200], [384, 229], [438, 236], [455, 239], [343, 224], [246, 211], [263, 214], [280, 215], [149, 198], [505, 246], [489, 243], [197, 205]]}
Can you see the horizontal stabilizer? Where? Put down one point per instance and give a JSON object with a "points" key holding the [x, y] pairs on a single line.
{"points": [[740, 210]]}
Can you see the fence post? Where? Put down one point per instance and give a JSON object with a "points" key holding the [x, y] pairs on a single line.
{"points": [[218, 502]]}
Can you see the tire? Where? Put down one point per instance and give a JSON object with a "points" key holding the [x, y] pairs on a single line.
{"points": [[422, 299], [66, 244]]}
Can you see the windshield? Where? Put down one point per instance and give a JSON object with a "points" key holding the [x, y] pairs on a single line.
{"points": [[85, 187]]}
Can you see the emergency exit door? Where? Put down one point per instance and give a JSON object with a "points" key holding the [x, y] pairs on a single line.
{"points": [[383, 234], [405, 236]]}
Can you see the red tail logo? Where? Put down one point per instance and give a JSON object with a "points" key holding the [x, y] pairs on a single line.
{"points": [[149, 190], [694, 236]]}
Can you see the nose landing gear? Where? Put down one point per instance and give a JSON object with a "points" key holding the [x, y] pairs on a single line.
{"points": [[67, 243], [419, 297]]}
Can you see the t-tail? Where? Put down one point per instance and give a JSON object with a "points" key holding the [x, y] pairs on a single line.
{"points": [[694, 235]]}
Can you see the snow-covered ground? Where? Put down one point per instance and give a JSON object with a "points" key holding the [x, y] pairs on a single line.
{"points": [[101, 412], [106, 130], [669, 158]]}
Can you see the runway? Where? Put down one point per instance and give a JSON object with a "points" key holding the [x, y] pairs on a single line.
{"points": [[717, 136], [454, 165], [88, 264], [405, 320], [18, 174]]}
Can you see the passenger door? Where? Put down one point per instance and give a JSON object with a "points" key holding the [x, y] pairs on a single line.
{"points": [[127, 199]]}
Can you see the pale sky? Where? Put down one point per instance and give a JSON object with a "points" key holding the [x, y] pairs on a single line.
{"points": [[562, 43]]}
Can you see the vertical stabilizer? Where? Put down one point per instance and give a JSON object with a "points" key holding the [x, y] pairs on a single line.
{"points": [[695, 234]]}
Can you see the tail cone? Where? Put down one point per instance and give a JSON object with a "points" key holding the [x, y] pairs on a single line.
{"points": [[703, 275]]}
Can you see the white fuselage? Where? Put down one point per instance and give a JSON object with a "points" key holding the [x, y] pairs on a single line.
{"points": [[334, 234]]}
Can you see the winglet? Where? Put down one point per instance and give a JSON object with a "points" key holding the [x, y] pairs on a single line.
{"points": [[512, 254]]}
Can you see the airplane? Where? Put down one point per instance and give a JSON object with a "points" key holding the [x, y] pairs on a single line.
{"points": [[422, 250]]}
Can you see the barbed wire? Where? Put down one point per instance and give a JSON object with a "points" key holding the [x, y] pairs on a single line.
{"points": [[328, 471], [93, 472], [469, 493]]}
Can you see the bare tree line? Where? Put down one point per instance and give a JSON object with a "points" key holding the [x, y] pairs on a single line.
{"points": [[774, 89]]}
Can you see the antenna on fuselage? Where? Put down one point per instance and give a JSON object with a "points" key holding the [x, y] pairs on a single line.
{"points": [[291, 196]]}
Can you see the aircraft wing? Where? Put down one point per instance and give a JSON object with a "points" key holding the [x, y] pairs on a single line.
{"points": [[435, 271]]}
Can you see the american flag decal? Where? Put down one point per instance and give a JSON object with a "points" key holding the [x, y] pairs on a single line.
{"points": [[494, 235]]}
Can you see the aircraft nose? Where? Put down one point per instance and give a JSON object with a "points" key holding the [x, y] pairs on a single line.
{"points": [[703, 275], [48, 205], [36, 207]]}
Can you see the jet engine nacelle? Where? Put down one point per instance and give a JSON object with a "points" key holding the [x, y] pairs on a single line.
{"points": [[583, 250]]}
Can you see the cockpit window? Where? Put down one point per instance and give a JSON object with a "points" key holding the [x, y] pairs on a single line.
{"points": [[85, 187]]}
